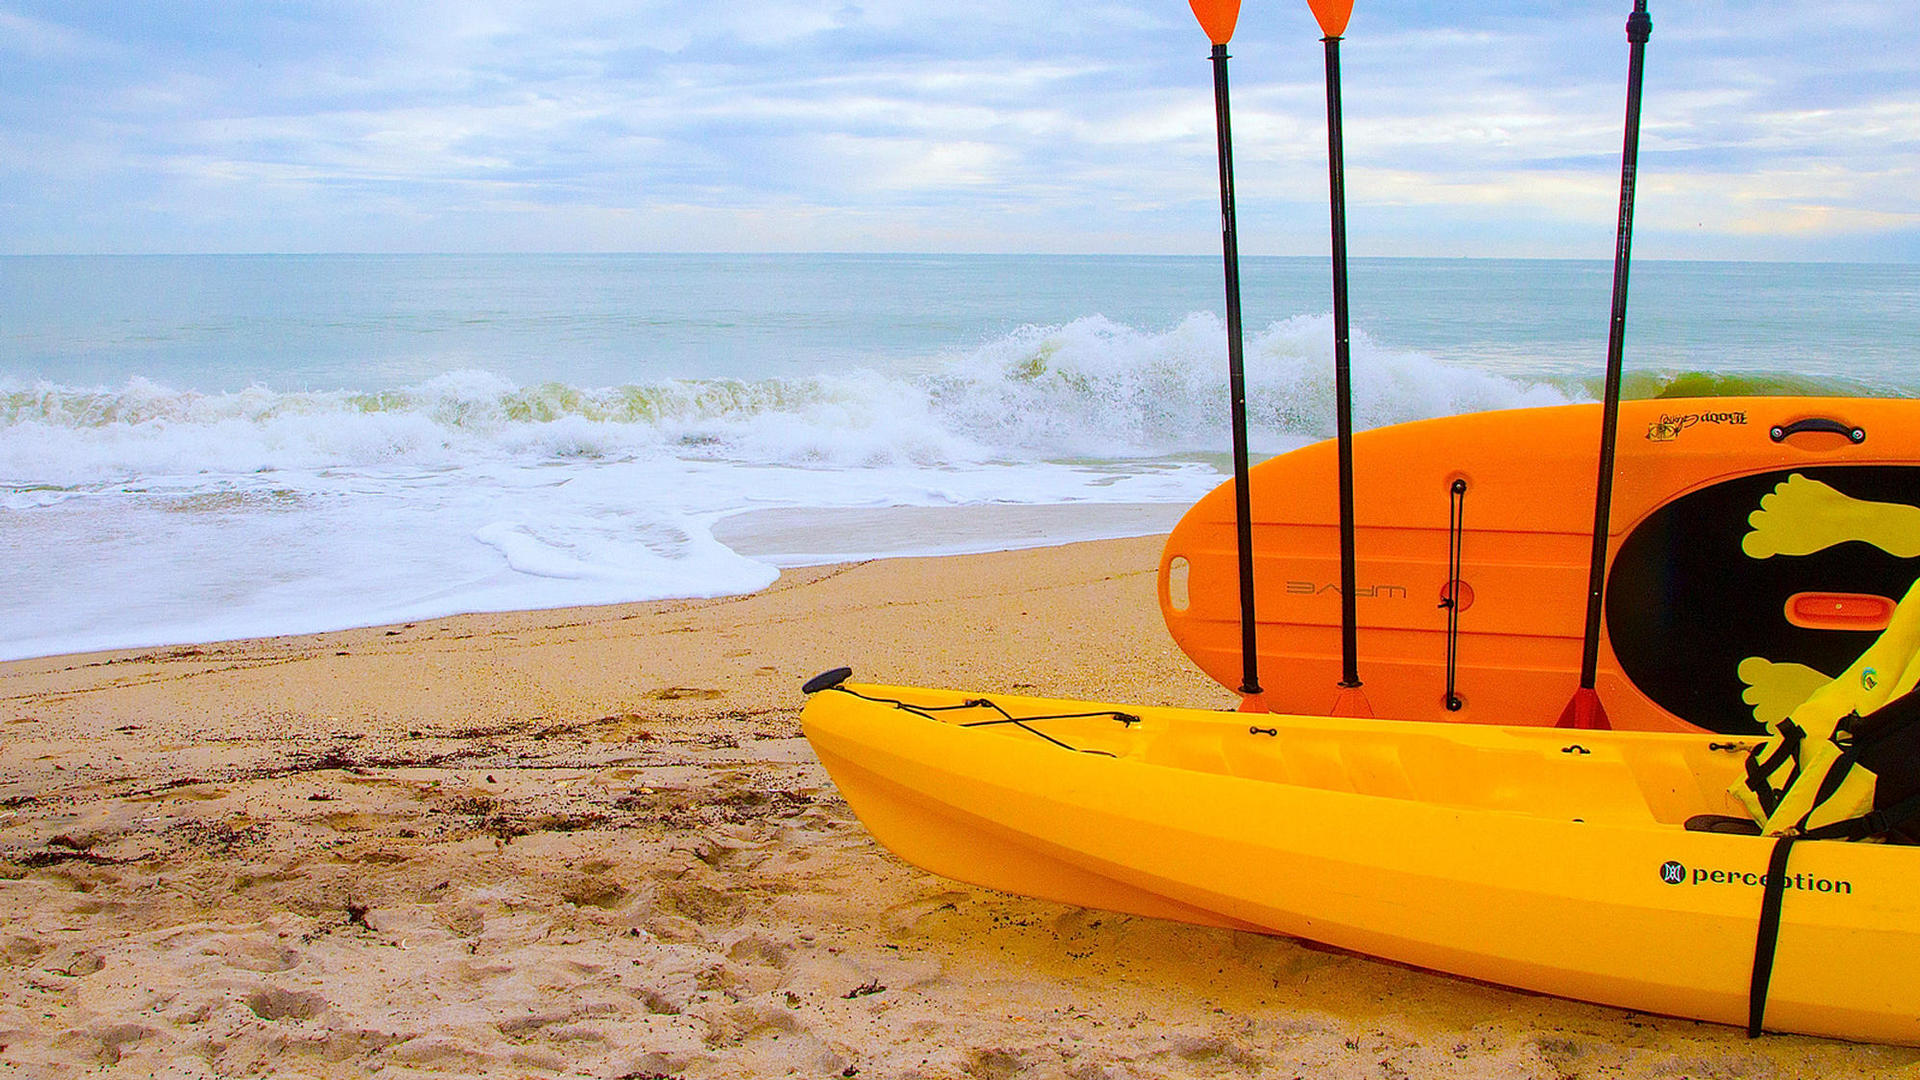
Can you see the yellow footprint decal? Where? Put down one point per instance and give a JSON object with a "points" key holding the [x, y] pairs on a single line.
{"points": [[1776, 689], [1801, 516]]}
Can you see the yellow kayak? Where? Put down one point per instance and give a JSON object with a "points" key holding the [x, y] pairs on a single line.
{"points": [[1551, 861]]}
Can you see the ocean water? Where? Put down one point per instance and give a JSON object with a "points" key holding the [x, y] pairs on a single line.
{"points": [[197, 448]]}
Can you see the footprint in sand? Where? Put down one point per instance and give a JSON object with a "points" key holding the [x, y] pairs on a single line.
{"points": [[593, 890], [262, 954], [685, 693], [274, 1003]]}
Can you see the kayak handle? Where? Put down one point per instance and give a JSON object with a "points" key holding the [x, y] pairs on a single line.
{"points": [[1783, 432], [826, 680]]}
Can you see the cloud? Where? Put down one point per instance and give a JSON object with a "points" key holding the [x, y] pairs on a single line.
{"points": [[792, 124], [24, 36]]}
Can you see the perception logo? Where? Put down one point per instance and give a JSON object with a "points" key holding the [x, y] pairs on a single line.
{"points": [[1674, 872]]}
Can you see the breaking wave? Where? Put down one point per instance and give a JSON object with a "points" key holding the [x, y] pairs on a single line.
{"points": [[1090, 389]]}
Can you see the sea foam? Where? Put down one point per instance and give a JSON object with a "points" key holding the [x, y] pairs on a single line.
{"points": [[1091, 389], [144, 514]]}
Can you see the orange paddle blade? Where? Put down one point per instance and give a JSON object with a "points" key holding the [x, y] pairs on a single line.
{"points": [[1217, 18], [1584, 712], [1333, 15]]}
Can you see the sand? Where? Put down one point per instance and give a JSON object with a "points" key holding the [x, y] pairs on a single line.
{"points": [[592, 843]]}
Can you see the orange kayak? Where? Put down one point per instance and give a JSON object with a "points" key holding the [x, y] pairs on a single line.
{"points": [[1757, 545]]}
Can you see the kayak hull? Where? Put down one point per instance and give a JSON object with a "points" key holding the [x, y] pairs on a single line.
{"points": [[1497, 854], [1702, 619]]}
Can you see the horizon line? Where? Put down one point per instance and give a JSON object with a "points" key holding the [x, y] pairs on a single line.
{"points": [[842, 253]]}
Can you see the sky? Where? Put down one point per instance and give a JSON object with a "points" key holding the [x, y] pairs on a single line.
{"points": [[1772, 130]]}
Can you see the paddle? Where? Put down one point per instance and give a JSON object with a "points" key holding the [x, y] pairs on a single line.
{"points": [[1351, 700], [1217, 18], [1584, 709]]}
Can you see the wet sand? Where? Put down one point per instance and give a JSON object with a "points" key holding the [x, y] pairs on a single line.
{"points": [[592, 843]]}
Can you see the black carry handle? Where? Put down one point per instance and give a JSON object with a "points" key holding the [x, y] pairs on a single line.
{"points": [[1783, 432], [826, 680]]}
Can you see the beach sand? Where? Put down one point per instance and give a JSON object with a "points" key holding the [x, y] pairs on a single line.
{"points": [[591, 842]]}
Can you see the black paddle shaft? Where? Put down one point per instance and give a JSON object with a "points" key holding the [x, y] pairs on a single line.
{"points": [[1236, 378], [1639, 28], [1342, 367]]}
